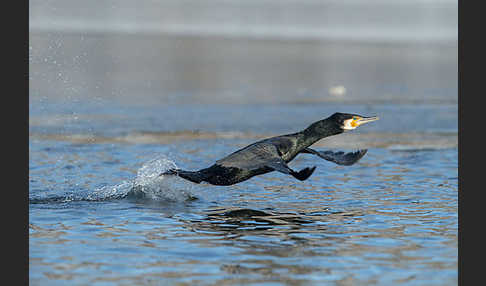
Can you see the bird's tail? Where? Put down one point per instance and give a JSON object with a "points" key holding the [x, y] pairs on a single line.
{"points": [[193, 176]]}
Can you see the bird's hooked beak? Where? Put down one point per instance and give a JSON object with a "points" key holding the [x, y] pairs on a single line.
{"points": [[363, 120]]}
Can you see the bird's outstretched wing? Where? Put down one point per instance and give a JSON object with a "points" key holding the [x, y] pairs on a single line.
{"points": [[262, 155], [252, 157], [339, 157]]}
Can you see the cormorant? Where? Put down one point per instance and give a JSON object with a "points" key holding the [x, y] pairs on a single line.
{"points": [[273, 154]]}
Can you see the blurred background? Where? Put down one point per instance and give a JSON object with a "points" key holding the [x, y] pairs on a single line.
{"points": [[93, 63], [244, 51]]}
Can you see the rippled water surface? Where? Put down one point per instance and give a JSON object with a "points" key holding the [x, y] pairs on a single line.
{"points": [[109, 112], [390, 219]]}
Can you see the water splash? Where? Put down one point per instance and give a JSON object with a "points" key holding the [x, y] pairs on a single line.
{"points": [[113, 192], [148, 184], [151, 170]]}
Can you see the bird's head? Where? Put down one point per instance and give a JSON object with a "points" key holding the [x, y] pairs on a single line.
{"points": [[347, 121]]}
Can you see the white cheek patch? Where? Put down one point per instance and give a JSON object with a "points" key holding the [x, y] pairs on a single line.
{"points": [[347, 125]]}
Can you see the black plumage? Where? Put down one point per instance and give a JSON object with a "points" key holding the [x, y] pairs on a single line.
{"points": [[273, 154]]}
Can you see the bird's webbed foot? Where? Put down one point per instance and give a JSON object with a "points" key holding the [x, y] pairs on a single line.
{"points": [[282, 167], [304, 173]]}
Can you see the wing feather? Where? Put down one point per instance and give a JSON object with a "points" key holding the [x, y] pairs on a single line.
{"points": [[255, 156], [339, 157]]}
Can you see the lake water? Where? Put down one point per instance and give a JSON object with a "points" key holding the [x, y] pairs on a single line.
{"points": [[389, 219], [111, 111]]}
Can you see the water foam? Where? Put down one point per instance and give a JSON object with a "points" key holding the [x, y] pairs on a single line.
{"points": [[148, 184]]}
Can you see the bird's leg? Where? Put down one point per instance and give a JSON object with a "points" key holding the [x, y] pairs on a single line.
{"points": [[194, 177], [282, 167], [170, 172]]}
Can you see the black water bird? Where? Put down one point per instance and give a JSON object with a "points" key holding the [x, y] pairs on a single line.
{"points": [[273, 154]]}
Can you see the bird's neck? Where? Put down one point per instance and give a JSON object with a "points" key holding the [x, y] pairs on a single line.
{"points": [[318, 130]]}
